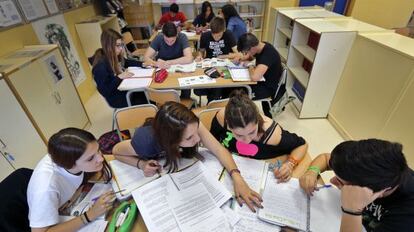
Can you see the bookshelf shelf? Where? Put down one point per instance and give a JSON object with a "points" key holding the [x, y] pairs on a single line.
{"points": [[286, 31], [301, 75], [308, 52]]}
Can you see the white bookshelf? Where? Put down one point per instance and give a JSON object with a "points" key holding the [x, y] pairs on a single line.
{"points": [[317, 54], [285, 18]]}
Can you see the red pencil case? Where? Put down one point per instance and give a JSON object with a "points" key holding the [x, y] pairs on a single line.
{"points": [[161, 75]]}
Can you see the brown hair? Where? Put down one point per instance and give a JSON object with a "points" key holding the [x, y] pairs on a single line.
{"points": [[68, 145], [169, 124], [241, 110], [108, 43], [217, 25]]}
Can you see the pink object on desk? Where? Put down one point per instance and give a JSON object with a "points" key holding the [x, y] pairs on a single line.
{"points": [[246, 149]]}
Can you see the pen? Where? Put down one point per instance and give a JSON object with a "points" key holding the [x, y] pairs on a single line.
{"points": [[323, 186], [96, 198], [155, 165], [278, 164], [124, 217]]}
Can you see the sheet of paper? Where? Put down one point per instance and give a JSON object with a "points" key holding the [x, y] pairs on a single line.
{"points": [[95, 226], [211, 163], [232, 217], [134, 83], [195, 210], [284, 203], [214, 62], [141, 72], [97, 190], [186, 68], [252, 171], [51, 6], [326, 210], [240, 74], [250, 223], [129, 177], [9, 14], [33, 9], [153, 205], [195, 80], [197, 173]]}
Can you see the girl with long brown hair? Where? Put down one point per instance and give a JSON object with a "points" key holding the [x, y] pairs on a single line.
{"points": [[109, 67], [243, 130], [73, 158], [175, 132]]}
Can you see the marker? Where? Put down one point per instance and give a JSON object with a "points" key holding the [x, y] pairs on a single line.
{"points": [[323, 186], [96, 198]]}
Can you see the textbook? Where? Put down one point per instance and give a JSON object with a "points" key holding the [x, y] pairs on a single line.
{"points": [[286, 204], [129, 177], [185, 68], [165, 203]]}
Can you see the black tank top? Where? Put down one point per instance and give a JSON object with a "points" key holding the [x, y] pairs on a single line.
{"points": [[257, 150]]}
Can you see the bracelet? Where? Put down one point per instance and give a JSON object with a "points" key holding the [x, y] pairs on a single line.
{"points": [[315, 169], [138, 163], [233, 171], [353, 213], [86, 217], [292, 160]]}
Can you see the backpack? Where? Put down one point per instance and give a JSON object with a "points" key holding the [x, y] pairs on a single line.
{"points": [[108, 140]]}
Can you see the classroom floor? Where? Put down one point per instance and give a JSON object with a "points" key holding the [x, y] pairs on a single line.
{"points": [[319, 133]]}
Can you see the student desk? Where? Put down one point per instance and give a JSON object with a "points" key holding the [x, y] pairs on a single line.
{"points": [[194, 38], [172, 82], [297, 172]]}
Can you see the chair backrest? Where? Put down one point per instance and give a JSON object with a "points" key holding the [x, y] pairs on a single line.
{"points": [[218, 103], [14, 209], [127, 37], [162, 96], [206, 116], [133, 116]]}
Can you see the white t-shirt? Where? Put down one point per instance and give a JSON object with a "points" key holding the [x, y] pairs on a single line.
{"points": [[49, 188]]}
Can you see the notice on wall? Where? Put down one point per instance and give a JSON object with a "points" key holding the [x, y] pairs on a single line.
{"points": [[51, 6], [9, 15], [53, 68], [33, 9]]}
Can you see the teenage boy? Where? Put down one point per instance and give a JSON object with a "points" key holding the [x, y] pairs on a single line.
{"points": [[174, 16], [377, 186]]}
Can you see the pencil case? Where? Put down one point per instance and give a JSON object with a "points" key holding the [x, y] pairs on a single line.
{"points": [[129, 221]]}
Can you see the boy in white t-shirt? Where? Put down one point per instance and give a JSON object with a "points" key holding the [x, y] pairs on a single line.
{"points": [[73, 157]]}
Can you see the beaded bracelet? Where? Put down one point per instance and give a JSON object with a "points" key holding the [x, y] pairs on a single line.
{"points": [[315, 169], [292, 160], [233, 171]]}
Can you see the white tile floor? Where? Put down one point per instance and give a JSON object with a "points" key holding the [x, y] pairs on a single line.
{"points": [[319, 133]]}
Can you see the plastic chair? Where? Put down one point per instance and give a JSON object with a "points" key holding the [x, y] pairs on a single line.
{"points": [[161, 96], [133, 116], [206, 116]]}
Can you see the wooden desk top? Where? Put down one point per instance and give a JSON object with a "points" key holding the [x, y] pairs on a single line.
{"points": [[172, 82], [139, 225], [193, 38]]}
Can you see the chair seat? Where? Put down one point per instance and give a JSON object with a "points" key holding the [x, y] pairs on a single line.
{"points": [[197, 110]]}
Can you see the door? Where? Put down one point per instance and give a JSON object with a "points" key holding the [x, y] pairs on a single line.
{"points": [[19, 140]]}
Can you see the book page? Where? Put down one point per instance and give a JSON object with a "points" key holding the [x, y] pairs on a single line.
{"points": [[240, 74], [134, 83], [284, 203], [250, 223], [198, 174], [141, 72], [153, 205], [195, 210], [326, 211], [251, 170]]}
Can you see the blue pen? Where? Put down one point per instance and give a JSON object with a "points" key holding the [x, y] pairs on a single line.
{"points": [[324, 186], [277, 164]]}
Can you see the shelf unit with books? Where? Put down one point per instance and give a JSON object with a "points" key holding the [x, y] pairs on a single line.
{"points": [[317, 54]]}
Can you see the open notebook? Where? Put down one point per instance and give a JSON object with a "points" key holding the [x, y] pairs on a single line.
{"points": [[286, 204]]}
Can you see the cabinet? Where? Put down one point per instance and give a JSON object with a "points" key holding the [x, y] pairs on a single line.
{"points": [[317, 54], [89, 32], [375, 96], [39, 80], [285, 18], [20, 143]]}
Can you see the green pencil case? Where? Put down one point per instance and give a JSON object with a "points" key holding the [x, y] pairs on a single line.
{"points": [[129, 221]]}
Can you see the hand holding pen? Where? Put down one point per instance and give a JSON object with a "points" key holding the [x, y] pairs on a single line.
{"points": [[102, 205], [150, 167], [283, 172]]}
